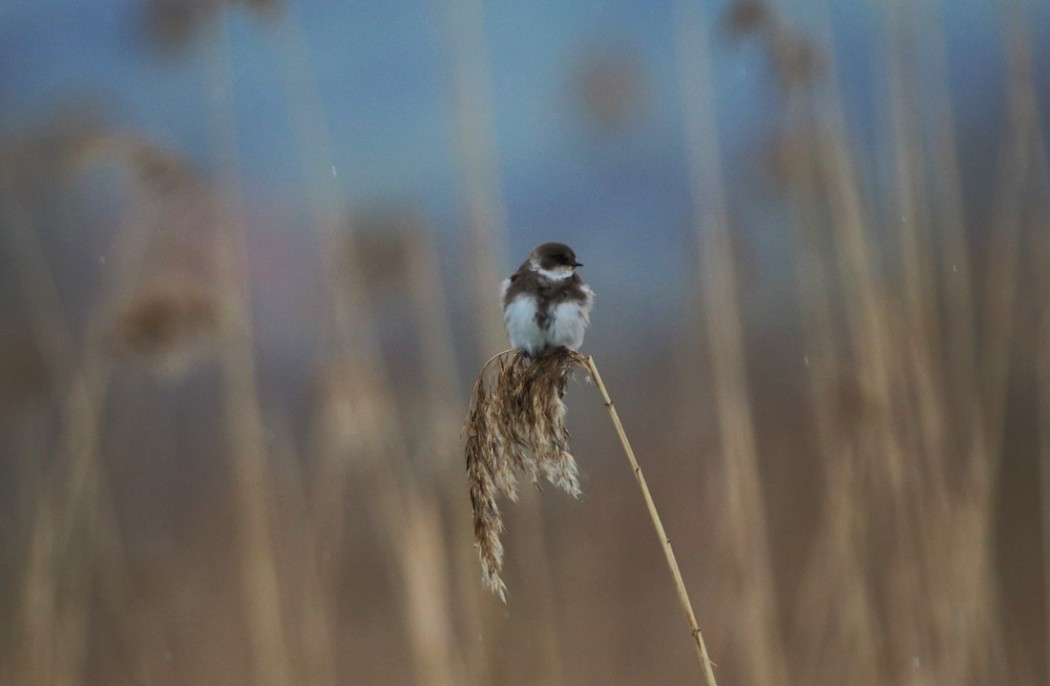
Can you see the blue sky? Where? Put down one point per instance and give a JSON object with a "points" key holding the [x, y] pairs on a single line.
{"points": [[384, 81]]}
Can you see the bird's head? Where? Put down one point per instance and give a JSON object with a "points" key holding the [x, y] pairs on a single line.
{"points": [[554, 260]]}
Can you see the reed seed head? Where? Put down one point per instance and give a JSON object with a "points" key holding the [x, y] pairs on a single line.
{"points": [[796, 59], [166, 325], [173, 24], [158, 170], [516, 430], [746, 16], [351, 419], [25, 372]]}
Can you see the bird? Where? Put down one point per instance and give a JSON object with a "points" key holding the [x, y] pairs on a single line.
{"points": [[546, 305]]}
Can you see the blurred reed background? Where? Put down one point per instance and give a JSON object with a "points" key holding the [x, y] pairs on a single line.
{"points": [[249, 266]]}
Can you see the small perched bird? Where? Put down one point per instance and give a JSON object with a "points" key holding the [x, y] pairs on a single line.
{"points": [[545, 303]]}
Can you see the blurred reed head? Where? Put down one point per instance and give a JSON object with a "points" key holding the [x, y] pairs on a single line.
{"points": [[25, 374], [173, 24], [167, 326], [516, 429], [610, 88], [794, 58], [382, 247], [160, 171], [154, 169], [789, 161], [350, 420], [746, 17]]}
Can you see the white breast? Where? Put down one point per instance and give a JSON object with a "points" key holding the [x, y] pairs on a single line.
{"points": [[520, 318], [568, 322]]}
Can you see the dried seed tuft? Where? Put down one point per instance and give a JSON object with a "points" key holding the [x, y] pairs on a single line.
{"points": [[516, 430], [166, 325]]}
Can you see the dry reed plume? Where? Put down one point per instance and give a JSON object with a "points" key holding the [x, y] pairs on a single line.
{"points": [[516, 429], [25, 372], [167, 325], [172, 24]]}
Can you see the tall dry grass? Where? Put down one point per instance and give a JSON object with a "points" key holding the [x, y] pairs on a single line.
{"points": [[340, 547]]}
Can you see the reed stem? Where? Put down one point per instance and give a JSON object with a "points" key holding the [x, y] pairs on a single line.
{"points": [[665, 542]]}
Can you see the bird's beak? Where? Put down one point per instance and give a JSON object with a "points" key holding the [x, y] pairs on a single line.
{"points": [[577, 264]]}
